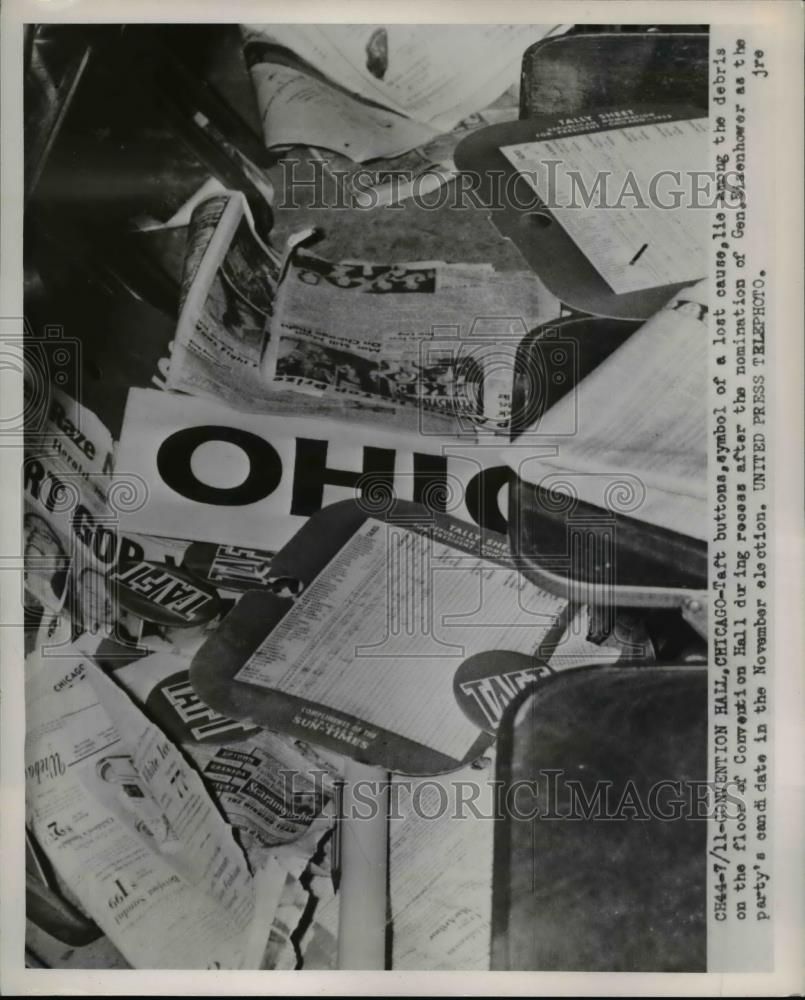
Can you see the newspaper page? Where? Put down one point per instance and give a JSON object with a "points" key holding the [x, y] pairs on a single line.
{"points": [[228, 288], [70, 521], [130, 827], [585, 350], [417, 335], [228, 285]]}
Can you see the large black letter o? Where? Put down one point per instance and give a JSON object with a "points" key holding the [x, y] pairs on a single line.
{"points": [[175, 453]]}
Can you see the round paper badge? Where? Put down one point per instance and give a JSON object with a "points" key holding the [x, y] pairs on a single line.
{"points": [[486, 683], [239, 568]]}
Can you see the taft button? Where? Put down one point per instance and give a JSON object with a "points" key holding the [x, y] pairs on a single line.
{"points": [[485, 683], [164, 594], [237, 567], [232, 567]]}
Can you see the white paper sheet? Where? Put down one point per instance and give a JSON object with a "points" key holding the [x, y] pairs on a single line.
{"points": [[128, 825], [435, 73], [441, 870], [296, 109], [644, 426], [629, 237]]}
